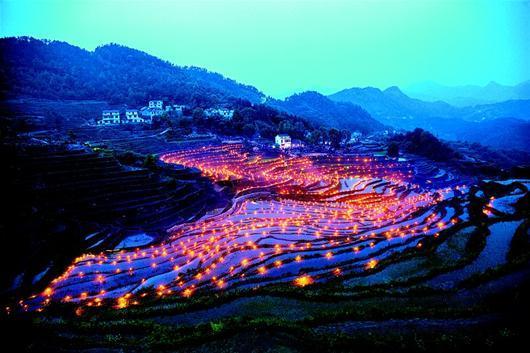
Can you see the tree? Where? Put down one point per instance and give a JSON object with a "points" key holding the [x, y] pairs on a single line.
{"points": [[248, 129], [71, 136], [345, 135], [335, 138], [198, 115], [128, 158], [393, 150], [314, 137], [425, 144], [150, 161]]}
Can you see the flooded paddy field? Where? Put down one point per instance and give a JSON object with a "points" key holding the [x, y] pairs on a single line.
{"points": [[327, 245]]}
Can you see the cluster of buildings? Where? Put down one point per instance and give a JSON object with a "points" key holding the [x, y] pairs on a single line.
{"points": [[132, 116], [284, 141], [114, 117], [176, 108], [222, 112], [155, 108]]}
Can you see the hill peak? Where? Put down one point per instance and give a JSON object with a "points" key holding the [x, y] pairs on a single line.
{"points": [[394, 90]]}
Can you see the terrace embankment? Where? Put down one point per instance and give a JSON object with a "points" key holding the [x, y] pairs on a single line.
{"points": [[63, 202], [338, 253], [325, 218]]}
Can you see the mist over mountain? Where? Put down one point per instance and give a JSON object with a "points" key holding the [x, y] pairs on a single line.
{"points": [[469, 95], [503, 133]]}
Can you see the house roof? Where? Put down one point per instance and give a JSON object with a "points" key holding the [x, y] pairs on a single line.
{"points": [[111, 111], [283, 135]]}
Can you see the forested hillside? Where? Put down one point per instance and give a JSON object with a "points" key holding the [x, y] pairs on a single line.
{"points": [[120, 75], [322, 110], [58, 70]]}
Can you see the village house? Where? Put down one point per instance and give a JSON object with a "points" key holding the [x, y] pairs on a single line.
{"points": [[150, 113], [283, 141], [154, 108], [132, 117], [156, 104], [110, 117], [222, 112], [355, 137]]}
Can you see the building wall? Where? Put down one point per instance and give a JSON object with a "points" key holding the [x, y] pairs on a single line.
{"points": [[283, 141], [110, 118], [156, 104]]}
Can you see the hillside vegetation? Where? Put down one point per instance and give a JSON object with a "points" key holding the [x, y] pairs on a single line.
{"points": [[58, 70], [324, 111]]}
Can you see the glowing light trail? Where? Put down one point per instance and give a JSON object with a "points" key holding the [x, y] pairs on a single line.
{"points": [[296, 220]]}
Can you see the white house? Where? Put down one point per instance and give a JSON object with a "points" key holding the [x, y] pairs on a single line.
{"points": [[222, 112], [283, 141], [110, 117], [156, 104], [132, 117], [150, 113], [355, 137]]}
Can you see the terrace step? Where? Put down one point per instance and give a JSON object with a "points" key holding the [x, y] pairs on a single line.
{"points": [[90, 194]]}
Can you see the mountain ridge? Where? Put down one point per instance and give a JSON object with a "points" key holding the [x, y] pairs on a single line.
{"points": [[57, 70], [319, 108], [110, 72], [469, 95], [392, 103]]}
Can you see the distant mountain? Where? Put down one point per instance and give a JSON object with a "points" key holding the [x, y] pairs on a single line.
{"points": [[519, 109], [57, 70], [501, 125], [502, 133], [322, 110], [392, 103], [392, 106], [469, 95]]}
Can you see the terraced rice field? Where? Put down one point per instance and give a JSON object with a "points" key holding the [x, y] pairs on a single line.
{"points": [[294, 219]]}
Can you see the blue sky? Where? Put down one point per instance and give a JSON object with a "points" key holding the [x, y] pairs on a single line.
{"points": [[287, 46]]}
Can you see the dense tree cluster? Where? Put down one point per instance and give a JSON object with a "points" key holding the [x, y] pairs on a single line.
{"points": [[249, 120], [120, 75], [324, 111], [425, 144], [393, 149]]}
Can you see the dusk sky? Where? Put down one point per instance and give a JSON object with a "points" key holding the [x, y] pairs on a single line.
{"points": [[287, 46]]}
